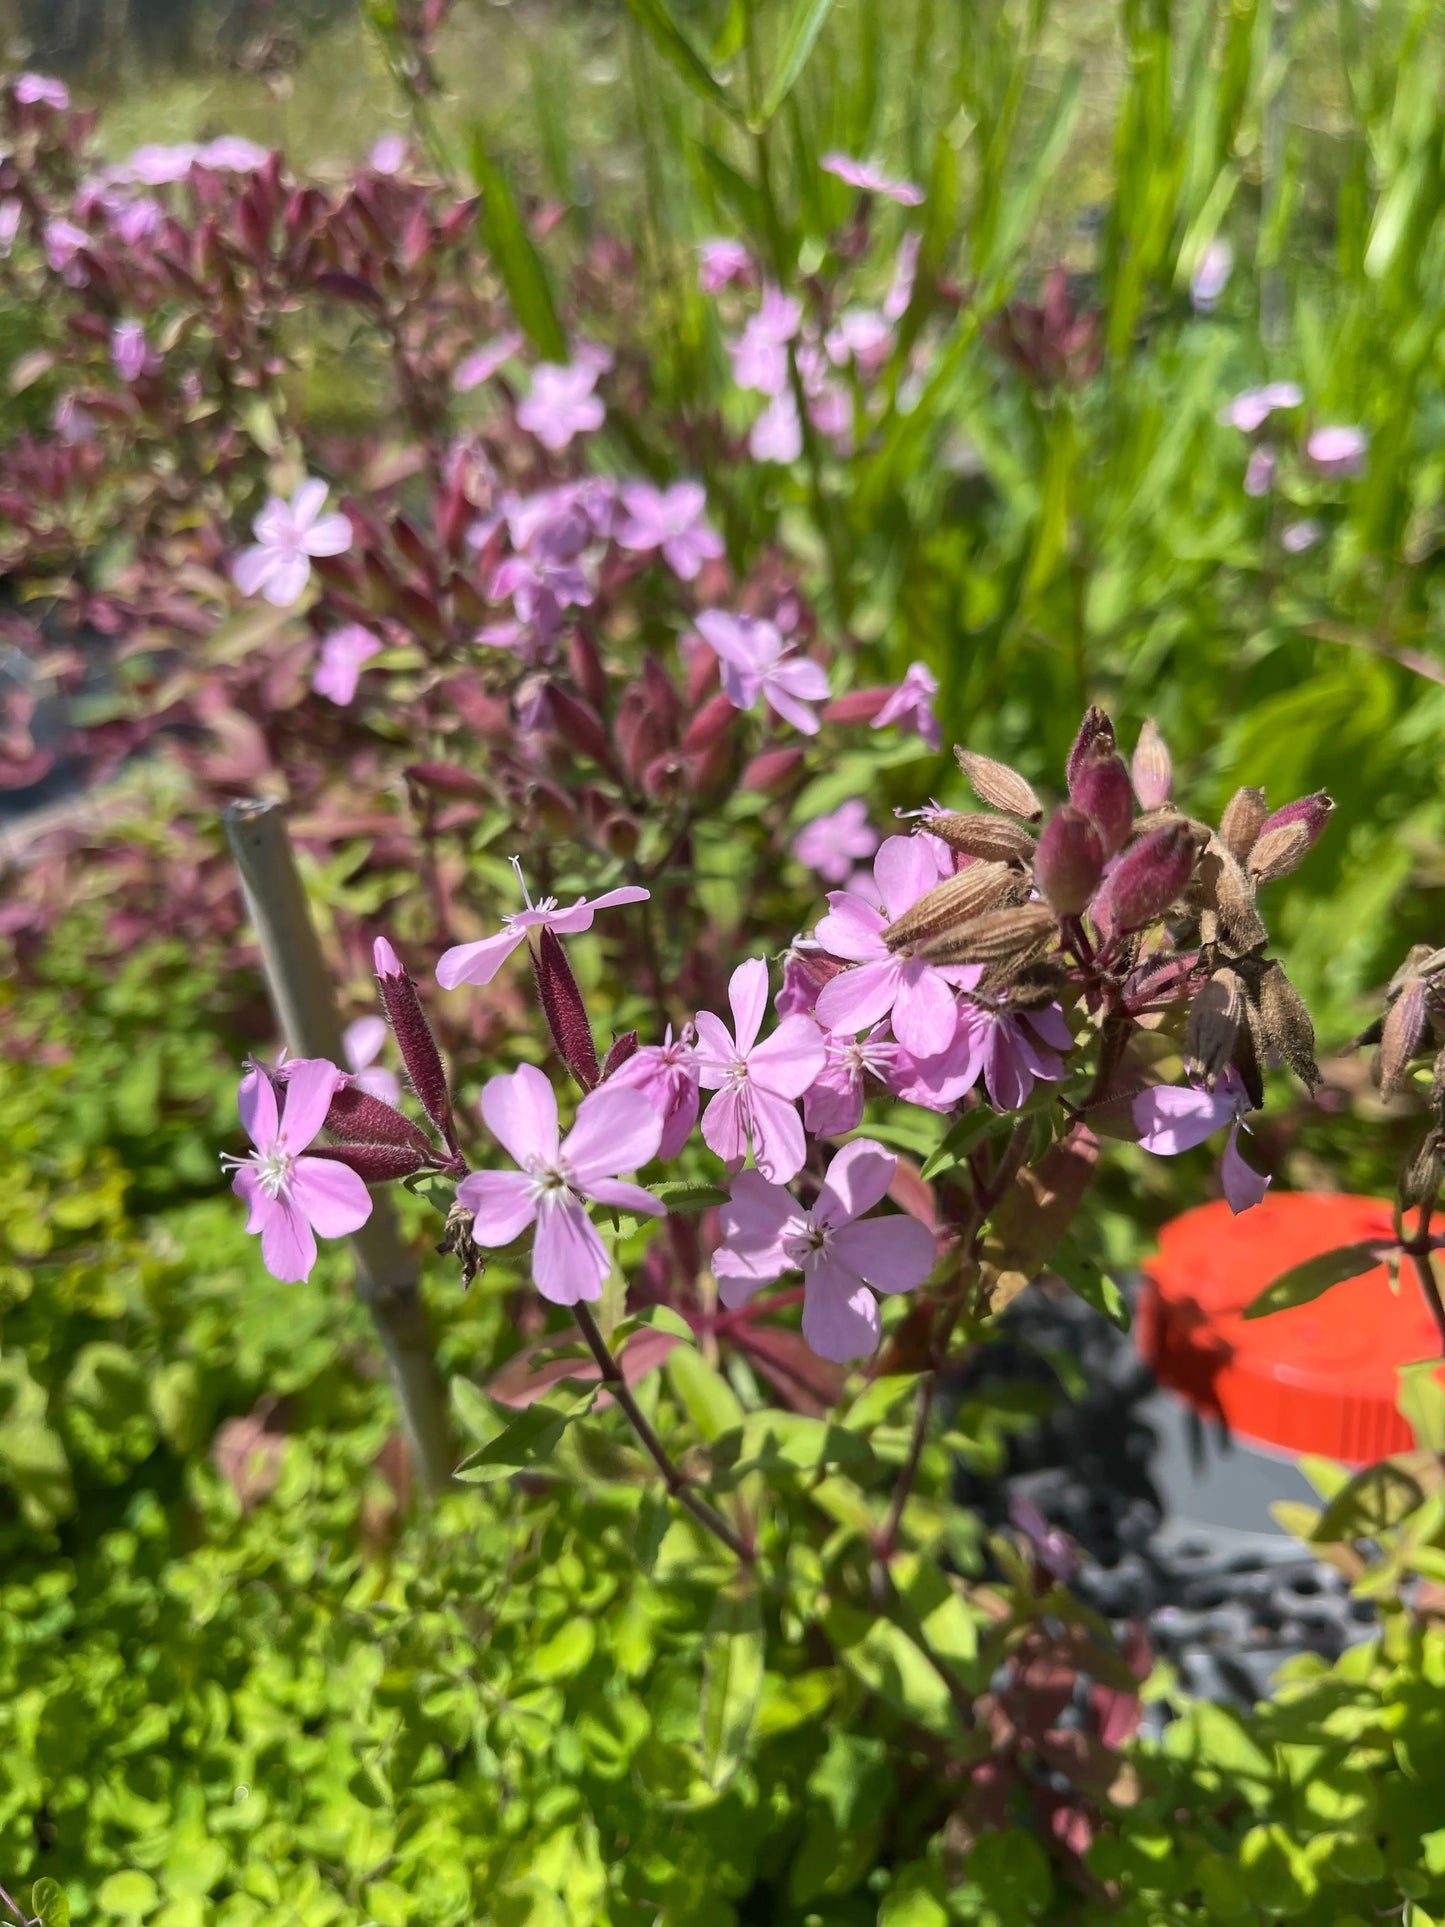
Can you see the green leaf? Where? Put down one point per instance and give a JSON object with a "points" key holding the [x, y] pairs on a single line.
{"points": [[705, 1395], [681, 1194], [1422, 1403], [515, 256], [732, 1682], [1378, 1499], [798, 42], [1312, 1279], [530, 1438], [971, 1130], [49, 1904], [1011, 1872], [128, 1896], [678, 51], [1084, 1276], [915, 1899]]}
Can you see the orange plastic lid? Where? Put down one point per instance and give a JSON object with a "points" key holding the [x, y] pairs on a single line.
{"points": [[1318, 1378]]}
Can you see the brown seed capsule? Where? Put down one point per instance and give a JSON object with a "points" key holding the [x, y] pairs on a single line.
{"points": [[1278, 851], [1286, 1024], [1403, 1034], [1243, 819], [1014, 935], [1152, 769], [1214, 1020], [999, 786], [1037, 984], [1070, 860], [1420, 1183], [997, 838], [950, 903], [1228, 900]]}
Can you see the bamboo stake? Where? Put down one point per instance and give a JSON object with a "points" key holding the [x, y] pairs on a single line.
{"points": [[300, 990]]}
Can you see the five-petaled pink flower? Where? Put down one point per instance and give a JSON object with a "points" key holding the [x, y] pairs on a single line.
{"points": [[42, 90], [721, 262], [292, 1196], [919, 995], [131, 354], [760, 353], [478, 963], [667, 1076], [910, 706], [871, 179], [833, 1103], [767, 1232], [757, 1085], [832, 844], [561, 403], [338, 669], [1010, 1052], [670, 519], [615, 1131], [1175, 1117], [288, 534], [755, 661]]}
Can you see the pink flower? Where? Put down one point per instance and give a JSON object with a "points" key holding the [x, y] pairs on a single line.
{"points": [[615, 1131], [1171, 1118], [767, 1232], [291, 1196], [339, 669], [561, 403], [361, 1044], [910, 705], [1009, 1052], [156, 165], [478, 963], [755, 662], [1211, 277], [1338, 451], [832, 844], [669, 519], [42, 90], [72, 421], [1253, 408], [1259, 471], [288, 534], [388, 154], [900, 293], [919, 996], [777, 434], [484, 362], [64, 242], [131, 354], [722, 262], [757, 1085], [232, 154], [760, 353], [667, 1076], [872, 180], [10, 213], [833, 1104], [862, 336], [137, 222], [1296, 537]]}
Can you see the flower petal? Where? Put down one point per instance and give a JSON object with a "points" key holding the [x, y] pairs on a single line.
{"points": [[779, 1147], [286, 580], [502, 1202], [308, 502], [789, 708], [246, 1183], [332, 535], [856, 999], [520, 1111], [840, 1316], [627, 1197], [310, 1087], [1175, 1117], [725, 1126], [748, 996], [904, 869], [715, 1049], [616, 1130], [256, 1101], [333, 1198], [790, 1060], [1244, 1187], [856, 1180], [569, 1259], [852, 929], [891, 1254], [252, 569], [477, 963], [755, 1220], [361, 1042], [925, 1010], [288, 1248], [578, 916]]}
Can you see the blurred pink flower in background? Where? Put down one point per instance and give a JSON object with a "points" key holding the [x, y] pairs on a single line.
{"points": [[1253, 408], [872, 180], [832, 844], [288, 534], [42, 90], [561, 403], [910, 706], [338, 668], [1338, 450], [755, 661], [1211, 277], [777, 434], [483, 362], [361, 1045], [670, 519], [131, 354], [722, 262], [760, 353]]}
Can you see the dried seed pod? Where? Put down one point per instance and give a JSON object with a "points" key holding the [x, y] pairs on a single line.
{"points": [[1070, 860], [1403, 1035], [950, 903], [1229, 900], [1249, 1048], [1014, 935], [1095, 732], [1243, 819], [1420, 1183], [1420, 961], [1285, 1023], [1152, 768], [457, 1242], [1276, 852], [1002, 977], [1151, 875], [999, 786], [1038, 984], [997, 838], [1101, 789], [1215, 1017]]}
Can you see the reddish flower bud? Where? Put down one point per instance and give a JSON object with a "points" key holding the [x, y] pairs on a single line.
{"points": [[414, 1038], [414, 546], [579, 726], [858, 706], [375, 1163], [587, 670], [1313, 811], [709, 725], [1094, 729], [564, 1009], [446, 779], [1146, 880], [1100, 788], [1152, 769], [772, 771], [622, 1048], [1069, 861], [356, 1117]]}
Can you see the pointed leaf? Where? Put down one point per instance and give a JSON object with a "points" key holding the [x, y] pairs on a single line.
{"points": [[678, 51], [798, 42], [1312, 1279], [732, 1684], [515, 257]]}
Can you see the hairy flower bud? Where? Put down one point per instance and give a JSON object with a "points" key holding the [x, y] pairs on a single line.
{"points": [[414, 1037], [579, 726], [999, 786], [618, 1053], [1070, 860], [1313, 811], [772, 771], [374, 1163], [1096, 736], [564, 1009], [996, 838], [1015, 935], [1147, 879], [950, 904], [1403, 1034], [1214, 1020], [1100, 787], [713, 721], [1244, 817], [356, 1117], [1152, 769], [1278, 851]]}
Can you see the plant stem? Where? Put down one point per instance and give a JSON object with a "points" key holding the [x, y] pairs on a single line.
{"points": [[1418, 1248], [674, 1478]]}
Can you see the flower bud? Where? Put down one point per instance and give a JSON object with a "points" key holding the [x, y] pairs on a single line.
{"points": [[713, 721], [950, 905], [1313, 812], [1152, 770], [587, 671], [564, 1009], [999, 786], [1243, 819], [1069, 862], [1096, 735], [621, 1049], [579, 726], [446, 779], [356, 1117], [804, 974], [1100, 787], [772, 771], [413, 1036], [1146, 880], [374, 1163], [858, 706]]}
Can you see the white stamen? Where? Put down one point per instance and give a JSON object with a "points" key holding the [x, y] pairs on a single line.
{"points": [[516, 863]]}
